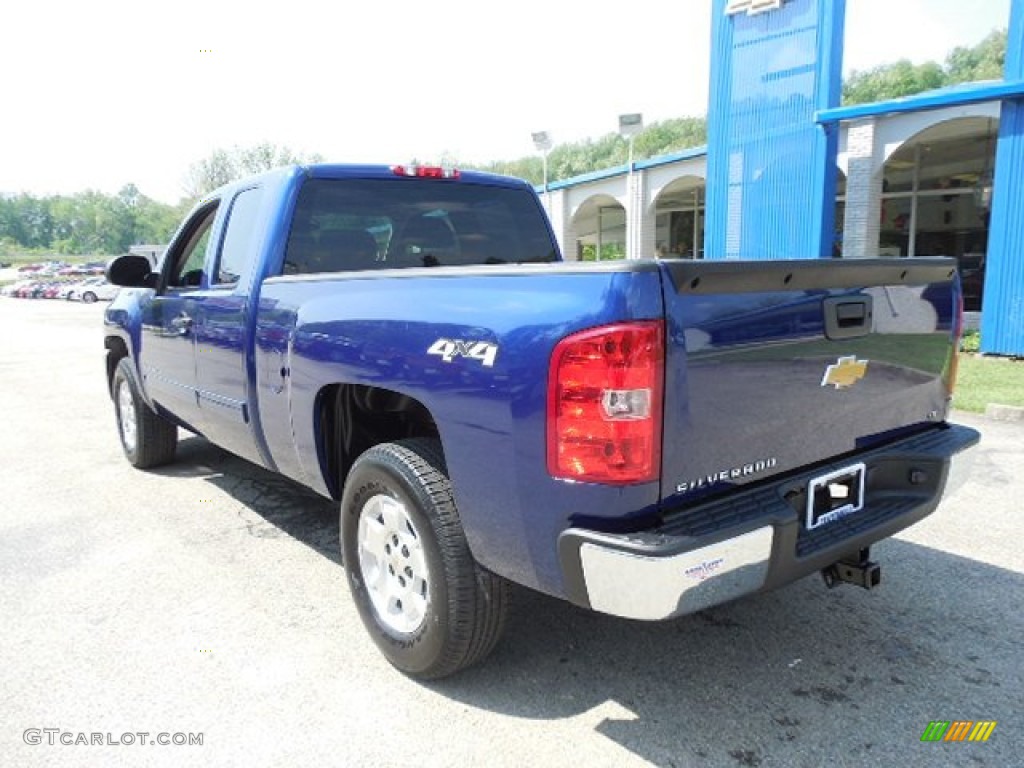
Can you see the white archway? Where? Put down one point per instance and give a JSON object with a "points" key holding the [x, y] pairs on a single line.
{"points": [[600, 226], [678, 210], [937, 194]]}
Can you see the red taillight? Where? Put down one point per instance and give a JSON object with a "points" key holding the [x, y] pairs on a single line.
{"points": [[605, 403], [426, 171]]}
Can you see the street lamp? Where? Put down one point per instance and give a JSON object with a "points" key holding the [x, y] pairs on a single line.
{"points": [[629, 126], [542, 143]]}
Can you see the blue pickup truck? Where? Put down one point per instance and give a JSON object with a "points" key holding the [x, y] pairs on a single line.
{"points": [[644, 438]]}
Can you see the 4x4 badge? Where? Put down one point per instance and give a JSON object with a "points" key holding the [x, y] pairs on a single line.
{"points": [[845, 372], [449, 349]]}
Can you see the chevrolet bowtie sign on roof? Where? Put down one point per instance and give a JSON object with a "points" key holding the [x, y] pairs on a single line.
{"points": [[752, 6]]}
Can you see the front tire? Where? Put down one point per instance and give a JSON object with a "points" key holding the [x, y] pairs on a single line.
{"points": [[88, 297], [147, 438], [431, 610]]}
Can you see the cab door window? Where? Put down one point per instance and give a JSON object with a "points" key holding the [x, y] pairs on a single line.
{"points": [[188, 257]]}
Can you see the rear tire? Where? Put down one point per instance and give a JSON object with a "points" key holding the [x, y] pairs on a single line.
{"points": [[431, 610], [88, 297], [147, 438]]}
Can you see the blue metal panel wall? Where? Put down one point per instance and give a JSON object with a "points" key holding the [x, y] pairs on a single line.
{"points": [[1002, 317], [771, 169]]}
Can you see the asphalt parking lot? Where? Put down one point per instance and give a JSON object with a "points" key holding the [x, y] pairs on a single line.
{"points": [[208, 598]]}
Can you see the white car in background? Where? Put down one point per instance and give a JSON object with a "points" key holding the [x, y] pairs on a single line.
{"points": [[13, 288], [93, 289]]}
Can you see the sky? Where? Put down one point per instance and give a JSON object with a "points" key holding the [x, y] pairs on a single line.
{"points": [[102, 93]]}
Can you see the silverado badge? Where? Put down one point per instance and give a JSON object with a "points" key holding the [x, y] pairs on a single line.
{"points": [[845, 372]]}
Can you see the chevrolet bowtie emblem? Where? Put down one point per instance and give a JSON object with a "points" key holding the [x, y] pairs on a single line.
{"points": [[752, 7], [845, 372]]}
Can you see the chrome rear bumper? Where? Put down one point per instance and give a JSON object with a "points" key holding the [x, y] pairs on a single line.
{"points": [[755, 538], [644, 587]]}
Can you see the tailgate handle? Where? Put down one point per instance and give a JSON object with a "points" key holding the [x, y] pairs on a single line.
{"points": [[847, 317]]}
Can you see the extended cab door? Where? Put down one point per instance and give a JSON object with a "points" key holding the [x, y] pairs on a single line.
{"points": [[222, 332], [167, 358]]}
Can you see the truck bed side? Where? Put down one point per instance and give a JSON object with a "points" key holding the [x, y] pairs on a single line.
{"points": [[377, 330]]}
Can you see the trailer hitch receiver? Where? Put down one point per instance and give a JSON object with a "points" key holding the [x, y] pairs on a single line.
{"points": [[860, 571]]}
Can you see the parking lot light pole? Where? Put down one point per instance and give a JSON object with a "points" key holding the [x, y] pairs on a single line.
{"points": [[542, 143]]}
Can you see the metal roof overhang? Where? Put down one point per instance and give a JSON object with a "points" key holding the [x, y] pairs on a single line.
{"points": [[969, 93]]}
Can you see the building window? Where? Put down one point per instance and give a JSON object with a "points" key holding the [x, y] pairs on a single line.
{"points": [[937, 195]]}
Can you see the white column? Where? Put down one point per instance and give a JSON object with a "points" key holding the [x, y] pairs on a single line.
{"points": [[636, 225], [863, 191], [558, 213], [645, 220]]}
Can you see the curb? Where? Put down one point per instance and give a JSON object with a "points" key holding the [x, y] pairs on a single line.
{"points": [[1005, 412]]}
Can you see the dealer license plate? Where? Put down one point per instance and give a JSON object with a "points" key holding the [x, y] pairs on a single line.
{"points": [[835, 495]]}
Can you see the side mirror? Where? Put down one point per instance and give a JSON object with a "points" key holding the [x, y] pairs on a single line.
{"points": [[131, 271]]}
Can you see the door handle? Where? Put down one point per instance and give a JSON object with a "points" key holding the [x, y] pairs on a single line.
{"points": [[182, 323], [282, 374], [848, 317]]}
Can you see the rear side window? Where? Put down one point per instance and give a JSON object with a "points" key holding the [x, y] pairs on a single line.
{"points": [[358, 224], [236, 250]]}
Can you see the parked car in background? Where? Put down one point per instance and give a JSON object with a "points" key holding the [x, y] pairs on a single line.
{"points": [[93, 289], [89, 269], [13, 289], [65, 289]]}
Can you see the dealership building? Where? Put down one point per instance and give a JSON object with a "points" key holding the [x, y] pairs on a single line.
{"points": [[938, 173]]}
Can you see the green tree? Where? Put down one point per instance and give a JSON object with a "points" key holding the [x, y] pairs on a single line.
{"points": [[984, 61], [11, 229], [207, 174], [129, 195], [575, 158], [155, 222], [671, 136], [891, 81], [36, 221], [223, 166], [265, 156], [89, 222]]}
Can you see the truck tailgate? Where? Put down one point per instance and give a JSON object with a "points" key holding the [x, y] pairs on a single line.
{"points": [[774, 366]]}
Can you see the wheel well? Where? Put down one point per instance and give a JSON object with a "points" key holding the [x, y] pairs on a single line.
{"points": [[116, 349], [352, 418]]}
